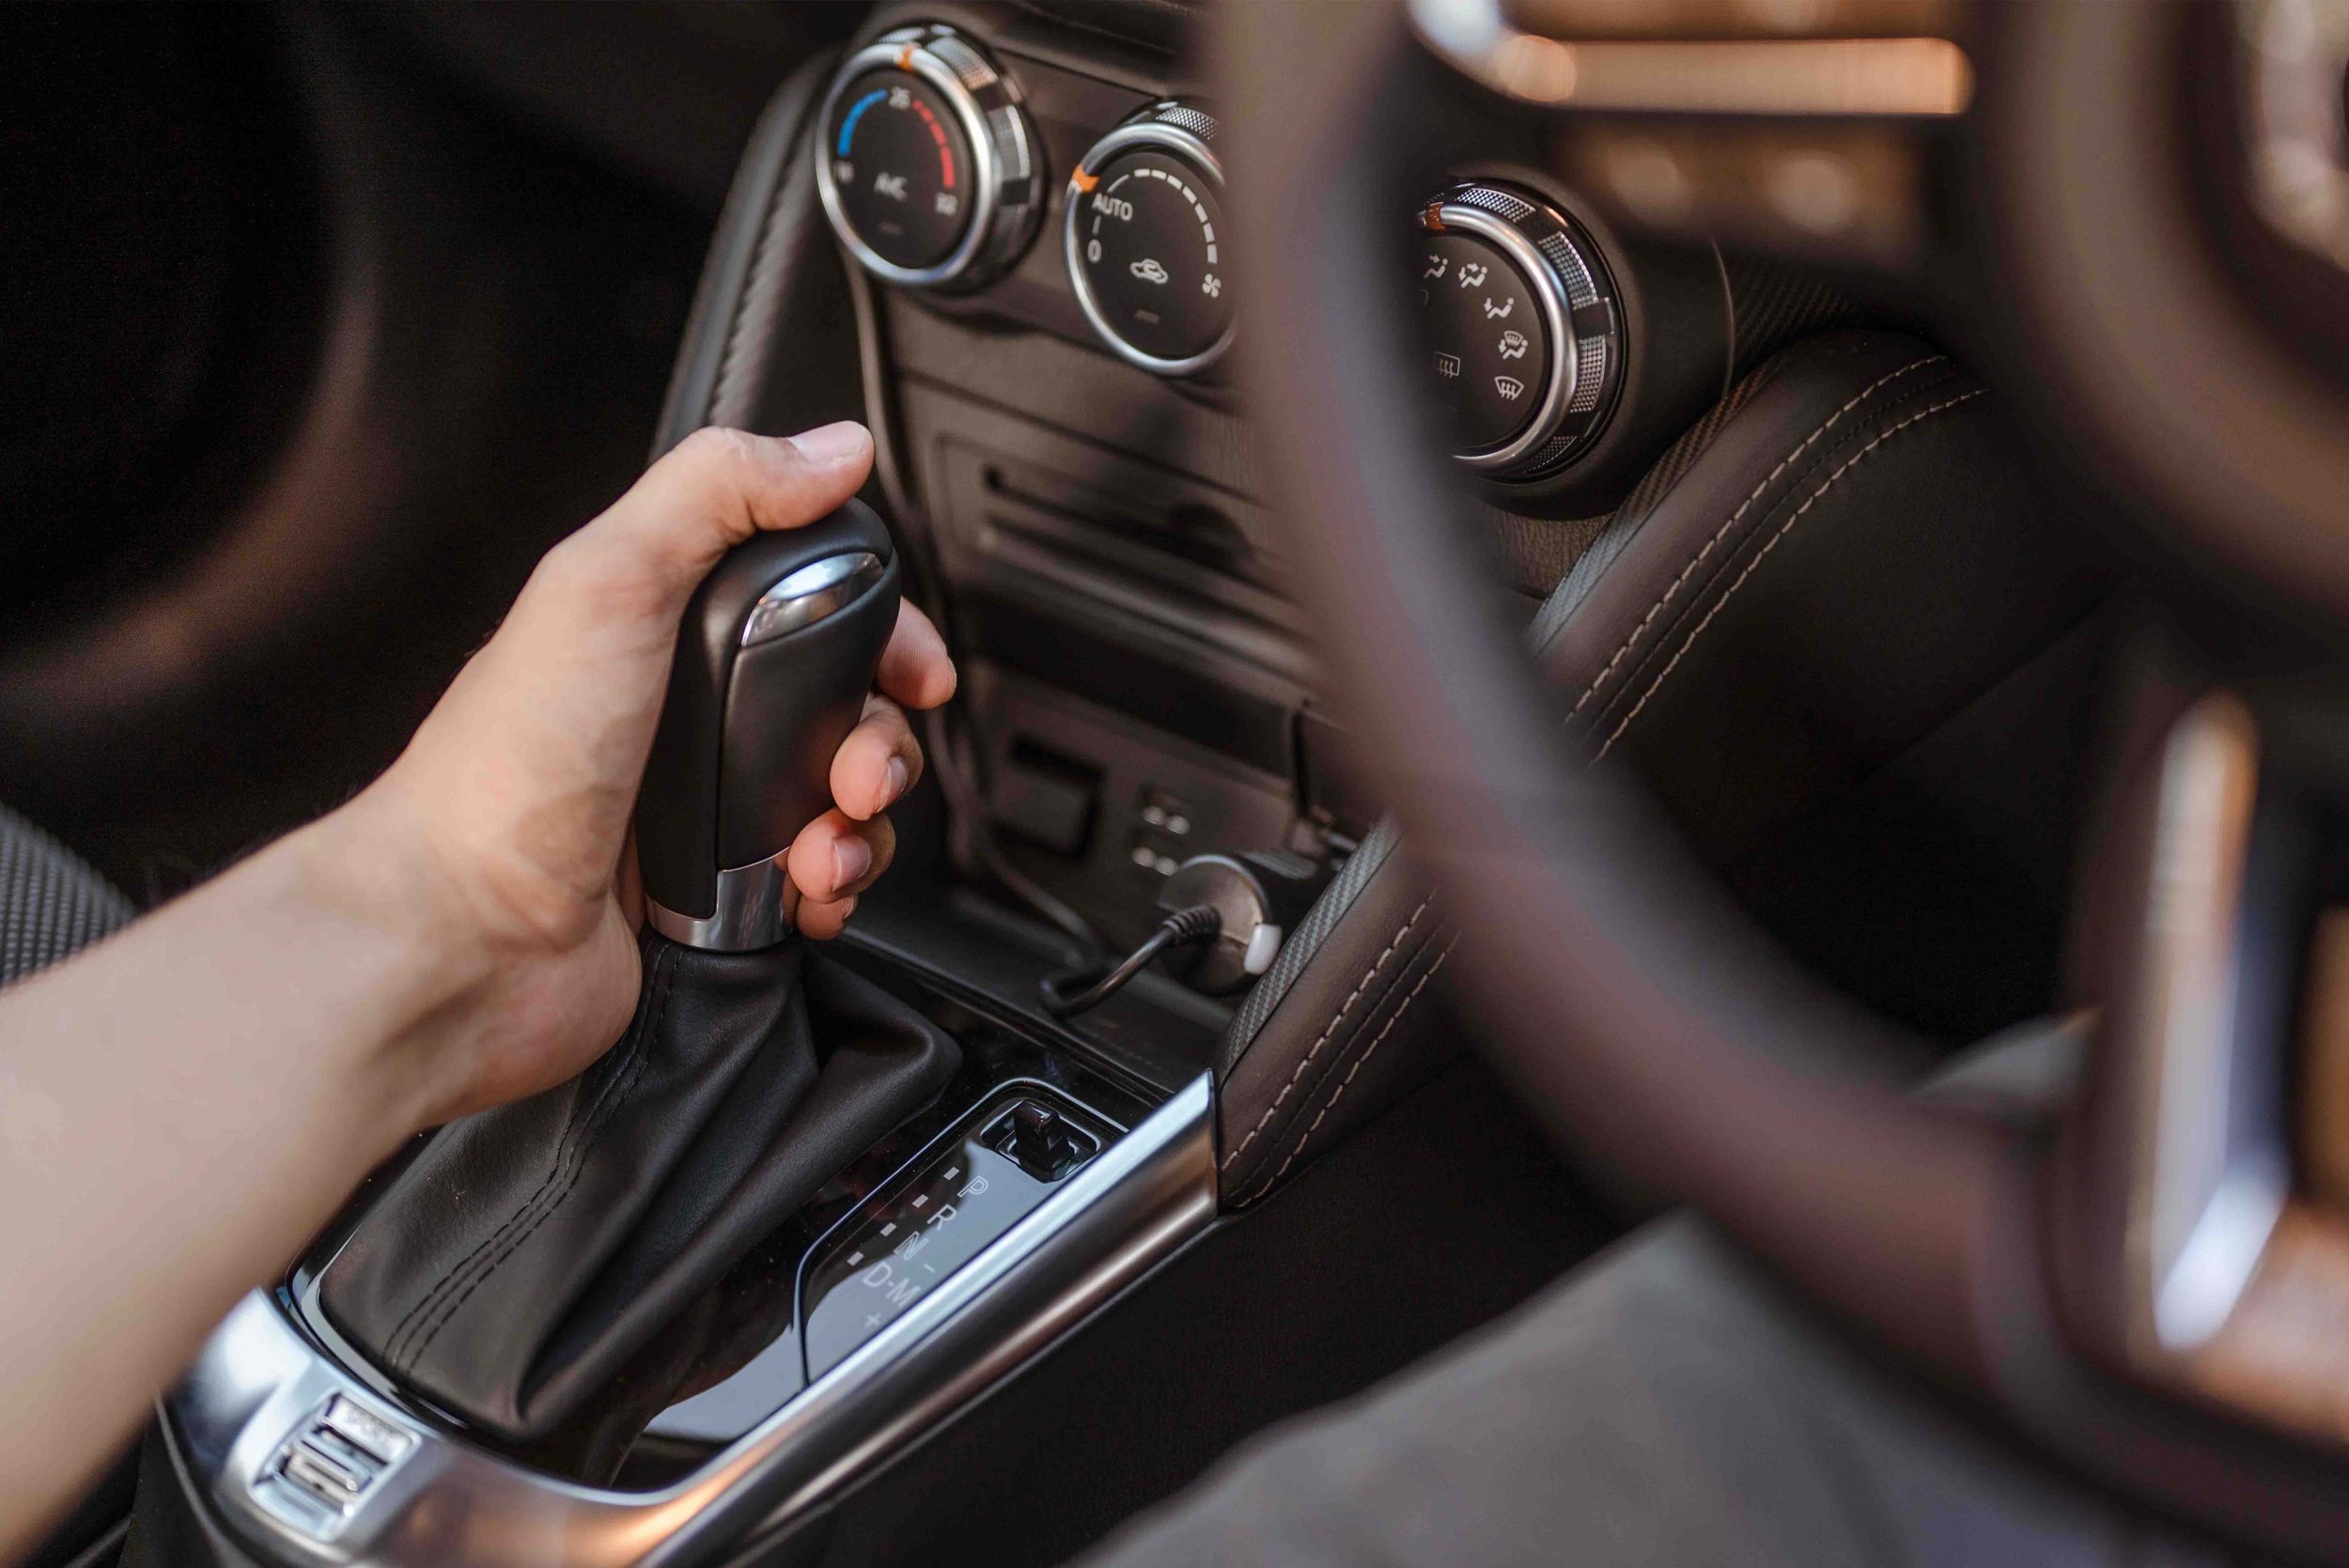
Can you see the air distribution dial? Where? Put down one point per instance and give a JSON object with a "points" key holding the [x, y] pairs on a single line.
{"points": [[929, 171], [1147, 240], [1524, 336]]}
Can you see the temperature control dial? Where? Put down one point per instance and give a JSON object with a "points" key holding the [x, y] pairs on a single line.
{"points": [[1146, 239], [928, 170], [1525, 339]]}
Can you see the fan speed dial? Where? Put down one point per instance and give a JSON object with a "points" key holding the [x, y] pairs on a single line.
{"points": [[1147, 240]]}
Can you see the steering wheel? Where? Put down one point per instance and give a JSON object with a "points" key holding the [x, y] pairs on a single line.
{"points": [[1638, 1011]]}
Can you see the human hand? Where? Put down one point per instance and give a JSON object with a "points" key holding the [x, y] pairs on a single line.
{"points": [[505, 824]]}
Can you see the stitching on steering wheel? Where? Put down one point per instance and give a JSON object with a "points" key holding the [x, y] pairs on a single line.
{"points": [[1768, 545], [1351, 997], [1698, 559]]}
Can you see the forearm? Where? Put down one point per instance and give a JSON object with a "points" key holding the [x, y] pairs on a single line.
{"points": [[180, 1107], [175, 1107]]}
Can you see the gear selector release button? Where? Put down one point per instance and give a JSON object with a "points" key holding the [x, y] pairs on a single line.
{"points": [[1040, 1141]]}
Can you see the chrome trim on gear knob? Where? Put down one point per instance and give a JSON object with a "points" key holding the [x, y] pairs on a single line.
{"points": [[818, 589], [750, 913]]}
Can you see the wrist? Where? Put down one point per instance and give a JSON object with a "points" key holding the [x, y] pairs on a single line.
{"points": [[363, 875]]}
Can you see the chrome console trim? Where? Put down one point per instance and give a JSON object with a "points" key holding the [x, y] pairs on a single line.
{"points": [[260, 1379]]}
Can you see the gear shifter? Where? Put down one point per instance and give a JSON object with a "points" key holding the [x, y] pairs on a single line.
{"points": [[778, 647], [534, 1257]]}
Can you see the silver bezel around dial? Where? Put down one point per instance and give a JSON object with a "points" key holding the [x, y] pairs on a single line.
{"points": [[1549, 294], [1183, 145], [914, 57]]}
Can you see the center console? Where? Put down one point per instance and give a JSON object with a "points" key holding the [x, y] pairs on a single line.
{"points": [[1031, 216], [997, 233], [1040, 1182]]}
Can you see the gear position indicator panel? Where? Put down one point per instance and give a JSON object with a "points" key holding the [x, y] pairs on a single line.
{"points": [[979, 1182]]}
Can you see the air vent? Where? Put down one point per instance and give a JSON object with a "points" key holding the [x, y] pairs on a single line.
{"points": [[1114, 529]]}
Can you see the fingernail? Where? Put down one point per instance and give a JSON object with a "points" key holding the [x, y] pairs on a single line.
{"points": [[898, 780], [850, 859], [828, 444]]}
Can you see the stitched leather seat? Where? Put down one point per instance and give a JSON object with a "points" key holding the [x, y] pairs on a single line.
{"points": [[1838, 560]]}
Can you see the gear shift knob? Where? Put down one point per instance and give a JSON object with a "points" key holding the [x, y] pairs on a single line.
{"points": [[778, 647]]}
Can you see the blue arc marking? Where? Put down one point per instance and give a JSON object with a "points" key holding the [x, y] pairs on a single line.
{"points": [[847, 127]]}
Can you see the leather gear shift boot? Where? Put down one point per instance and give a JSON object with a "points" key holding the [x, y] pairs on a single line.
{"points": [[529, 1252]]}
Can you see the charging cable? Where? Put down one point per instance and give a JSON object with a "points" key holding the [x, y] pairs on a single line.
{"points": [[1188, 927]]}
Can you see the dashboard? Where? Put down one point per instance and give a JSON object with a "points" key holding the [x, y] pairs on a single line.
{"points": [[1032, 212]]}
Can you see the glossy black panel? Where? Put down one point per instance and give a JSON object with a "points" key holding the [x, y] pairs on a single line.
{"points": [[966, 1191]]}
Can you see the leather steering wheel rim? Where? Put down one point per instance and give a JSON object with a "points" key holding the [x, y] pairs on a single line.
{"points": [[1633, 1008], [1630, 1002]]}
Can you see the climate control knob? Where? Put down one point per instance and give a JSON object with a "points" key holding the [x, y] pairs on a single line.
{"points": [[1146, 239], [929, 169], [1525, 339]]}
